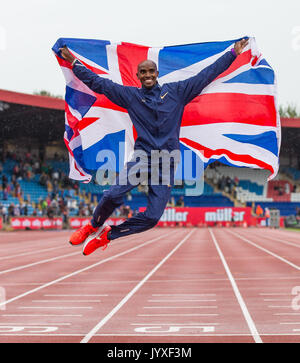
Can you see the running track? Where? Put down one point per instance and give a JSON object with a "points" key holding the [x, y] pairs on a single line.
{"points": [[171, 285]]}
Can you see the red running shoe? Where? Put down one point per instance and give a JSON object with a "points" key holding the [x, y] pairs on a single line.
{"points": [[96, 240], [82, 234]]}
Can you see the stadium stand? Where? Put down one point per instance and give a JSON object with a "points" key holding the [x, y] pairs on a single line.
{"points": [[34, 171]]}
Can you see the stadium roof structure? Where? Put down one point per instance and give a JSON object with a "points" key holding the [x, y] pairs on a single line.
{"points": [[31, 117], [32, 100], [42, 117]]}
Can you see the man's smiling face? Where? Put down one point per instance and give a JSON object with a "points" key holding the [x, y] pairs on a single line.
{"points": [[147, 73]]}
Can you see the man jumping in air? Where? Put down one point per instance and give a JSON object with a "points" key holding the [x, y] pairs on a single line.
{"points": [[156, 112]]}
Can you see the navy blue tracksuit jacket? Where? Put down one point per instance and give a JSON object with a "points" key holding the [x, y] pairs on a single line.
{"points": [[156, 115]]}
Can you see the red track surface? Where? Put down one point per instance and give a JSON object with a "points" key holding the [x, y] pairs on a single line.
{"points": [[165, 285]]}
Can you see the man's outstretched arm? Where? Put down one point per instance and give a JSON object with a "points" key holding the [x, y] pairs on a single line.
{"points": [[115, 92], [192, 87]]}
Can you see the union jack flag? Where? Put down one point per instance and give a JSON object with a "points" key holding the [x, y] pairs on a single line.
{"points": [[234, 120]]}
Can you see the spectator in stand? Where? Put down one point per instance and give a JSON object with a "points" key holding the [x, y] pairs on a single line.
{"points": [[259, 211], [4, 213], [17, 210], [43, 179], [4, 182], [171, 202], [11, 210], [5, 194], [287, 188], [18, 190], [44, 206], [180, 202], [267, 215]]}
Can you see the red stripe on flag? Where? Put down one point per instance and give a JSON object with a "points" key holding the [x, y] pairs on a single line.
{"points": [[239, 61], [130, 55], [71, 152], [68, 147], [63, 63], [93, 69], [85, 122], [72, 120], [135, 135], [209, 153], [103, 101], [230, 107]]}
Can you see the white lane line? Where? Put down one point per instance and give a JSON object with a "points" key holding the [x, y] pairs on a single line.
{"points": [[73, 295], [31, 252], [35, 324], [177, 315], [174, 324], [180, 307], [273, 294], [43, 261], [238, 295], [183, 294], [38, 263], [55, 307], [81, 270], [286, 314], [134, 290], [61, 301], [290, 323], [277, 299], [150, 335], [180, 300], [297, 245], [265, 250], [43, 315]]}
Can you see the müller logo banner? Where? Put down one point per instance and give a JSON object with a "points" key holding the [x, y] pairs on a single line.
{"points": [[205, 215], [36, 223], [76, 222]]}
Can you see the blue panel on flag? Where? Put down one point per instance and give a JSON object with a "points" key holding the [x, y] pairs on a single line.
{"points": [[266, 140], [108, 151], [181, 56], [69, 132], [78, 156], [191, 167], [263, 62], [254, 76], [94, 50], [79, 101]]}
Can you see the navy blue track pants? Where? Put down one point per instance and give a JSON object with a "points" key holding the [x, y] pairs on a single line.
{"points": [[158, 196]]}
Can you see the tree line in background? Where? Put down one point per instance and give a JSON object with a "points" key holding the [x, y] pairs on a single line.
{"points": [[289, 111]]}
